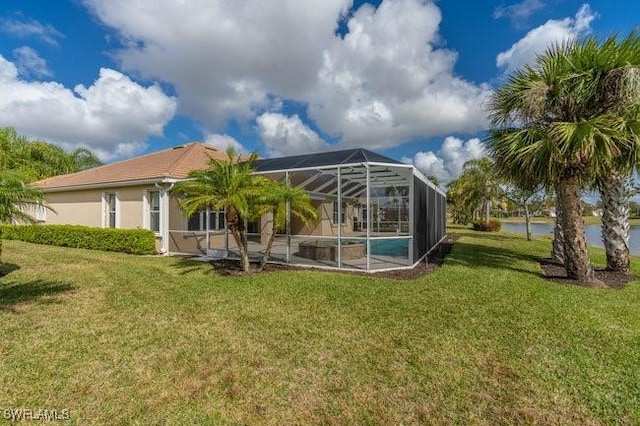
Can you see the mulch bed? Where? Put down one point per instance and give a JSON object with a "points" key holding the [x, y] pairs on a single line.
{"points": [[556, 272], [229, 267]]}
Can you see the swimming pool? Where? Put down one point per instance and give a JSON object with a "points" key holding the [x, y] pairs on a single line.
{"points": [[390, 247]]}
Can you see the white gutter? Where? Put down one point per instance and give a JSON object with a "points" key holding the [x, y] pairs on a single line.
{"points": [[111, 184]]}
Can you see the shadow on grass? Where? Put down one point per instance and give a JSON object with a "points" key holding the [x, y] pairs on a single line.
{"points": [[7, 268], [227, 267], [187, 265], [491, 235], [478, 255], [12, 294]]}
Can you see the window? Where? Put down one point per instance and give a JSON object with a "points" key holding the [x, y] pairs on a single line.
{"points": [[335, 212], [154, 211], [220, 224], [111, 210], [197, 221]]}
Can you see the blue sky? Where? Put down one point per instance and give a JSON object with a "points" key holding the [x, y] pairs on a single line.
{"points": [[407, 78]]}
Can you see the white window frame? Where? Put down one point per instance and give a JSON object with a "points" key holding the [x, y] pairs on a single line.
{"points": [[202, 217], [106, 212], [146, 210], [335, 212]]}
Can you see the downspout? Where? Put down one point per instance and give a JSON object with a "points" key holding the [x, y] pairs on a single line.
{"points": [[164, 216]]}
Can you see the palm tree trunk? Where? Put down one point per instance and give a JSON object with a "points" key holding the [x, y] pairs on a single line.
{"points": [[575, 242], [615, 221], [527, 220], [242, 248], [272, 237], [557, 251], [233, 223], [487, 212]]}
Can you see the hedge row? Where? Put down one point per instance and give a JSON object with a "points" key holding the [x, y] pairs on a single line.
{"points": [[134, 241], [493, 226]]}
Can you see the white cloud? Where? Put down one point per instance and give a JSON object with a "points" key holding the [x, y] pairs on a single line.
{"points": [[224, 57], [284, 135], [31, 28], [8, 70], [448, 162], [518, 11], [223, 142], [29, 62], [113, 116], [429, 164], [387, 81], [537, 40]]}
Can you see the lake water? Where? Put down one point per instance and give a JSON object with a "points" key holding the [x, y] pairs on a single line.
{"points": [[594, 234]]}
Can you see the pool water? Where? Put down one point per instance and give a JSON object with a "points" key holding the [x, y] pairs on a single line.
{"points": [[391, 247]]}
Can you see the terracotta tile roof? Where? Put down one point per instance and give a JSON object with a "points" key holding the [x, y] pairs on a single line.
{"points": [[172, 163]]}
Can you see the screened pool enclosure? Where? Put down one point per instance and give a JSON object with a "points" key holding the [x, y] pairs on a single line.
{"points": [[374, 212]]}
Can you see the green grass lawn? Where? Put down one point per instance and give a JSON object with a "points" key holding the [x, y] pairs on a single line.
{"points": [[120, 339]]}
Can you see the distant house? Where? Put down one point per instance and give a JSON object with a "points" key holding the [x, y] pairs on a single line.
{"points": [[374, 212]]}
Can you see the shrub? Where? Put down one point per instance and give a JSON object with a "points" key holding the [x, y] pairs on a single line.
{"points": [[133, 241], [493, 226]]}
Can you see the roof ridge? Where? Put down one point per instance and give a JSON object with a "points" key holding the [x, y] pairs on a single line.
{"points": [[93, 169], [355, 151], [190, 145], [366, 152]]}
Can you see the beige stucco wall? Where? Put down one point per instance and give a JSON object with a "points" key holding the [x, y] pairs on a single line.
{"points": [[75, 208], [177, 220], [324, 227], [85, 207]]}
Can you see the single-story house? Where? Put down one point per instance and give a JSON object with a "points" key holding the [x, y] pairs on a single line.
{"points": [[375, 213]]}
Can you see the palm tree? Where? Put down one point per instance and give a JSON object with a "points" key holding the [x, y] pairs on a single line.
{"points": [[614, 69], [462, 199], [542, 131], [484, 182], [608, 82], [279, 198], [557, 246], [227, 185], [17, 198], [14, 150], [83, 159], [50, 160], [459, 213], [615, 195], [38, 159]]}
